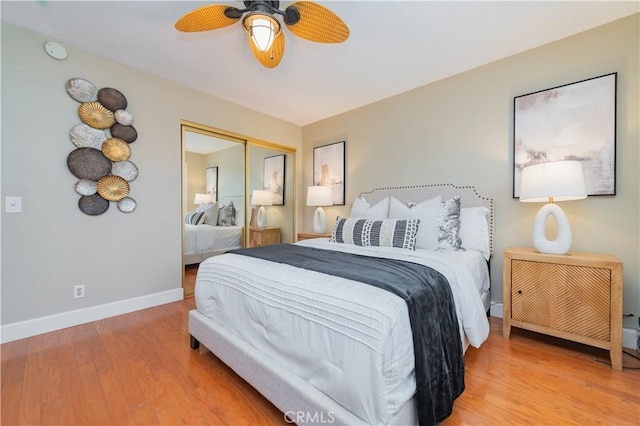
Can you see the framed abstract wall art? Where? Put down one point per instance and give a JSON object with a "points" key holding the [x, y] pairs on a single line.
{"points": [[328, 169], [575, 121]]}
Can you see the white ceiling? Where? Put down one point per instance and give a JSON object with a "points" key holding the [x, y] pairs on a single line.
{"points": [[394, 46]]}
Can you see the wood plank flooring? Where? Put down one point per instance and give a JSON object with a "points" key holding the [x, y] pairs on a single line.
{"points": [[138, 369]]}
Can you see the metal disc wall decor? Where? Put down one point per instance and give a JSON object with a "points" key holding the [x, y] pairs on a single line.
{"points": [[127, 205], [116, 149], [95, 115], [113, 188], [126, 133], [101, 160], [88, 163], [125, 169], [81, 90], [112, 99], [93, 205], [86, 187], [83, 135]]}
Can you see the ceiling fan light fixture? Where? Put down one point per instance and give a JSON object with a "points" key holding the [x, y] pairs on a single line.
{"points": [[263, 29]]}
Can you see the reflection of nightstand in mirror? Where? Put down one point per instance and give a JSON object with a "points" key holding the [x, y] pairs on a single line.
{"points": [[309, 235], [263, 236]]}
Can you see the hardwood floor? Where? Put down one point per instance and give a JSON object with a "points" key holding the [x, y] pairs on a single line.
{"points": [[189, 281], [138, 369]]}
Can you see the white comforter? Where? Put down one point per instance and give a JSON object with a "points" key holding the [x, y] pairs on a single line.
{"points": [[351, 340]]}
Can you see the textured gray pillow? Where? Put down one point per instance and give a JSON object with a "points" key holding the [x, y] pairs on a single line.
{"points": [[227, 215], [449, 224]]}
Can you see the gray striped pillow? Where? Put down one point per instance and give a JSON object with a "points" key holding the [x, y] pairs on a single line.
{"points": [[399, 233], [194, 218]]}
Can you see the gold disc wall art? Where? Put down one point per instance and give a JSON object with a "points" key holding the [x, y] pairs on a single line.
{"points": [[95, 115], [116, 149], [113, 188]]}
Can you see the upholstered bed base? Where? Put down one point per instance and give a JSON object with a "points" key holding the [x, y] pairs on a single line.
{"points": [[301, 402]]}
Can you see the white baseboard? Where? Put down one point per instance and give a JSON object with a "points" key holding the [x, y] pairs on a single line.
{"points": [[32, 327], [629, 334]]}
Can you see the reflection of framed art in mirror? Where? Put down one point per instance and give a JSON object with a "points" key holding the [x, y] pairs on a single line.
{"points": [[212, 183], [273, 178]]}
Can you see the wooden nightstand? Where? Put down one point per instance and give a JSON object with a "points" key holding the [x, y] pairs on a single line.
{"points": [[576, 296], [309, 235], [263, 236]]}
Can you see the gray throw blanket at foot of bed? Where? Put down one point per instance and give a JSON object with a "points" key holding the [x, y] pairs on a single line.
{"points": [[439, 360]]}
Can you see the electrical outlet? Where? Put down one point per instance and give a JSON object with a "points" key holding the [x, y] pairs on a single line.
{"points": [[78, 291]]}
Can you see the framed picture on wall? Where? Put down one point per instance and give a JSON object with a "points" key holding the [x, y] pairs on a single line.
{"points": [[576, 121], [212, 183], [273, 178], [328, 169]]}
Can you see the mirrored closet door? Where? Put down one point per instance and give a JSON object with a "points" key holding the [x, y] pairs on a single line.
{"points": [[213, 196]]}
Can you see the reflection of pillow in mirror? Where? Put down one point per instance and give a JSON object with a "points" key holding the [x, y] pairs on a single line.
{"points": [[362, 209], [427, 212], [210, 214], [449, 224], [227, 215], [474, 230], [194, 218]]}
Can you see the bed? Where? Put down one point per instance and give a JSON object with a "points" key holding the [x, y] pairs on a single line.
{"points": [[329, 349], [211, 237]]}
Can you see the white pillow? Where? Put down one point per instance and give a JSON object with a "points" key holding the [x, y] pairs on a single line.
{"points": [[363, 210], [210, 214], [474, 230], [427, 212]]}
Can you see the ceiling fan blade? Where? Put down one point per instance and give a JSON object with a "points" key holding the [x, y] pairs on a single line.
{"points": [[317, 23], [205, 18], [272, 57]]}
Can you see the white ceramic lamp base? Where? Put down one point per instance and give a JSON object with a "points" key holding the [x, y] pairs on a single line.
{"points": [[319, 221], [562, 243], [261, 220]]}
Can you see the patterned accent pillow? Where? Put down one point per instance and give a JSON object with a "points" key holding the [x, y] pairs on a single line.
{"points": [[380, 233], [227, 215], [449, 224], [194, 218]]}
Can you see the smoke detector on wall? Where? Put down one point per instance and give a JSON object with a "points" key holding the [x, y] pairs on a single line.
{"points": [[55, 50]]}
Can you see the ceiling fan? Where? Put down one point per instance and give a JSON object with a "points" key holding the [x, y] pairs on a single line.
{"points": [[305, 19]]}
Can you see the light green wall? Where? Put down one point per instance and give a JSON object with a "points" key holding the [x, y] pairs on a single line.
{"points": [[52, 246], [459, 130], [195, 165]]}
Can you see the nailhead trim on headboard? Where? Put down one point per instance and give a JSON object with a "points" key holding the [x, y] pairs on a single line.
{"points": [[431, 190]]}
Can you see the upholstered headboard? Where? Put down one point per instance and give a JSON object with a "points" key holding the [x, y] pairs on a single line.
{"points": [[469, 197]]}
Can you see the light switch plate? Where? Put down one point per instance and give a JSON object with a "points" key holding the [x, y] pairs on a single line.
{"points": [[13, 204]]}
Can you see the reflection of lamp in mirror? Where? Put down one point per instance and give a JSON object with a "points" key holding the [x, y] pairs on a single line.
{"points": [[261, 198], [201, 198], [555, 181], [319, 196]]}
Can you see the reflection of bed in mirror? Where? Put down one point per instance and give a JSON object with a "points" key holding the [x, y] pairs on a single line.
{"points": [[216, 231]]}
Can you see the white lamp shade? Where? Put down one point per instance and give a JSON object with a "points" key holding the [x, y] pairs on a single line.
{"points": [[202, 198], [262, 29], [261, 197], [319, 196], [558, 181], [555, 181]]}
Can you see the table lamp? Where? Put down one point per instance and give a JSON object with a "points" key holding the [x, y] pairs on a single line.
{"points": [[553, 181], [201, 198], [319, 196], [261, 198]]}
